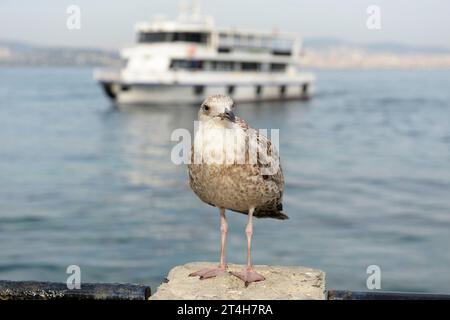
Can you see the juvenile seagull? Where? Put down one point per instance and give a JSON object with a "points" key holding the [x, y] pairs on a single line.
{"points": [[244, 186]]}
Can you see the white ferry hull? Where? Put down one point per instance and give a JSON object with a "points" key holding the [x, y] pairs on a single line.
{"points": [[162, 94]]}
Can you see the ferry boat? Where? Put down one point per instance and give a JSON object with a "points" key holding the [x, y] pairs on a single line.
{"points": [[182, 61]]}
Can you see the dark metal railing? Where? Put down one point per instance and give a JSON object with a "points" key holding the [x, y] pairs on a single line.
{"points": [[34, 290]]}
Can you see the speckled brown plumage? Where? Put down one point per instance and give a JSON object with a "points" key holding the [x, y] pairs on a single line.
{"points": [[237, 187]]}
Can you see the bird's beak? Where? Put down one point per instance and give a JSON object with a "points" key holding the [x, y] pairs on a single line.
{"points": [[228, 114]]}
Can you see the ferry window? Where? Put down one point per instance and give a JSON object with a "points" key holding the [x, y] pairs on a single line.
{"points": [[252, 42], [196, 37], [250, 66], [237, 40], [281, 44], [258, 90], [150, 37], [223, 37], [213, 65], [224, 65], [225, 40], [209, 65], [277, 67], [230, 90], [198, 90], [280, 52], [282, 90], [266, 42], [177, 64], [196, 65], [223, 50]]}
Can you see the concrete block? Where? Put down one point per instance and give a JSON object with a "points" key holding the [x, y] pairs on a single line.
{"points": [[281, 282]]}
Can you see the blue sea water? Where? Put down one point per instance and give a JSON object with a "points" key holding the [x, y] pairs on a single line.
{"points": [[366, 161]]}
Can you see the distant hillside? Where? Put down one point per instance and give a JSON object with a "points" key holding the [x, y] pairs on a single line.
{"points": [[324, 44], [24, 54], [331, 53]]}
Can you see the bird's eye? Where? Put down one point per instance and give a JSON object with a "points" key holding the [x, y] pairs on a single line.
{"points": [[206, 108]]}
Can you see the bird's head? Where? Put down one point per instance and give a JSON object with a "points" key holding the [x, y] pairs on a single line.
{"points": [[218, 108]]}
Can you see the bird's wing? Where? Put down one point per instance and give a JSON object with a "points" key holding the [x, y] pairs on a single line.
{"points": [[269, 168], [267, 157], [268, 161]]}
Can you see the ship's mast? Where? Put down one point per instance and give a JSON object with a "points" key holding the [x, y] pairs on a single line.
{"points": [[189, 11]]}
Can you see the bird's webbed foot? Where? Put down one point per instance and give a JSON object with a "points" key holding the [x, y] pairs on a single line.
{"points": [[209, 272], [248, 276]]}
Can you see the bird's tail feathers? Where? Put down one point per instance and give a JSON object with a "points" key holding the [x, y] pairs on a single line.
{"points": [[281, 216], [271, 214]]}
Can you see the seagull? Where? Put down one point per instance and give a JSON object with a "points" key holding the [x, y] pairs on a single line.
{"points": [[244, 186]]}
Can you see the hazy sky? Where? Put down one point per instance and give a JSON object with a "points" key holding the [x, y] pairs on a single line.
{"points": [[109, 24]]}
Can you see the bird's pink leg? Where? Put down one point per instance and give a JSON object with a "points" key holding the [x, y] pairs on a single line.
{"points": [[249, 275], [212, 272], [223, 238]]}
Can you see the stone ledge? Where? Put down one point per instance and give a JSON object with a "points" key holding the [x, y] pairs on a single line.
{"points": [[292, 283]]}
